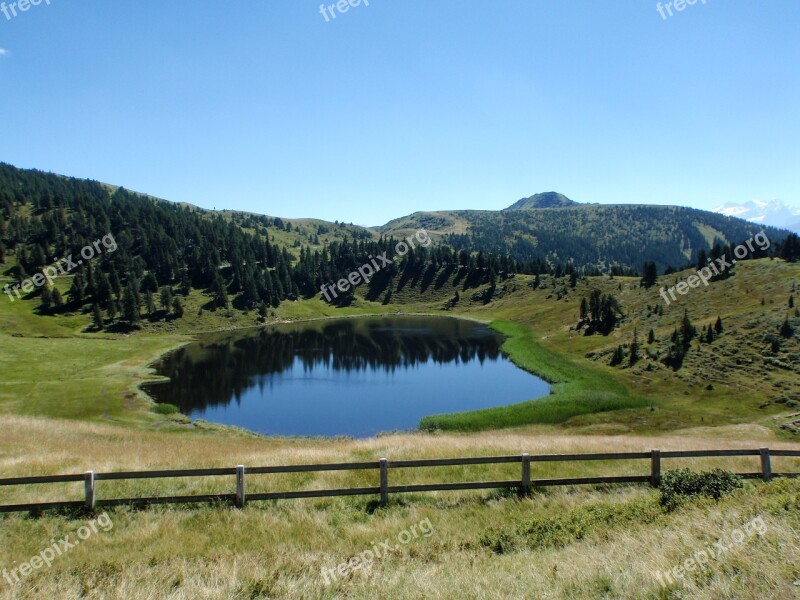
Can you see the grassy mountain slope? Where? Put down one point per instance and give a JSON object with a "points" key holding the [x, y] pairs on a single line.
{"points": [[587, 234]]}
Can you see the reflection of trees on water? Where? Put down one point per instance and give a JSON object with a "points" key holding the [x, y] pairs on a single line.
{"points": [[213, 374]]}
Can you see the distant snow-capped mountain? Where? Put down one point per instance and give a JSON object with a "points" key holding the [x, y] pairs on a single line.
{"points": [[775, 213]]}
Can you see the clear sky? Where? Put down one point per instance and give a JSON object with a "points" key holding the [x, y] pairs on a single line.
{"points": [[407, 105]]}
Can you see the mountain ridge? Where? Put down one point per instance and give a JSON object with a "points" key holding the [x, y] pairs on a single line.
{"points": [[547, 228]]}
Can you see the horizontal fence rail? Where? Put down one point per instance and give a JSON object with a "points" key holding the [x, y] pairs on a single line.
{"points": [[240, 497]]}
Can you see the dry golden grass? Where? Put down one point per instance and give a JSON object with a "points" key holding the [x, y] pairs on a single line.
{"points": [[34, 446], [278, 549]]}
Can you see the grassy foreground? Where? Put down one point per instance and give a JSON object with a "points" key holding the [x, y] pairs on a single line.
{"points": [[605, 541]]}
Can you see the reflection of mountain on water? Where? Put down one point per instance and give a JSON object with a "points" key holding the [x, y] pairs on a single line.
{"points": [[218, 373]]}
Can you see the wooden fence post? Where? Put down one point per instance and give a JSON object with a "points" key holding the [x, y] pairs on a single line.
{"points": [[240, 490], [525, 490], [384, 464], [89, 490], [655, 467], [766, 464]]}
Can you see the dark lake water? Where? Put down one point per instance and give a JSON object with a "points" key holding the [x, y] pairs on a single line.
{"points": [[355, 377]]}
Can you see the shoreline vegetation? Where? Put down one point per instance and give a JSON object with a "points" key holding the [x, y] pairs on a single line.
{"points": [[575, 390]]}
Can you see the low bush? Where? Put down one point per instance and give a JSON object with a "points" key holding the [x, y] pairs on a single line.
{"points": [[685, 483], [572, 526], [166, 409]]}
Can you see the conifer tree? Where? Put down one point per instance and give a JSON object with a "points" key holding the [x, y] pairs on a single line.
{"points": [[718, 325], [130, 305], [177, 307], [786, 329], [634, 349], [97, 317]]}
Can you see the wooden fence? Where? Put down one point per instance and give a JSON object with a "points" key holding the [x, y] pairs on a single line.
{"points": [[524, 484]]}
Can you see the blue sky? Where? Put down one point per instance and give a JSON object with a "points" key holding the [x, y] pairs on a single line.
{"points": [[407, 105]]}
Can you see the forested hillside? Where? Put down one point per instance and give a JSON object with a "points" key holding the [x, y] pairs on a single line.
{"points": [[163, 250], [617, 238]]}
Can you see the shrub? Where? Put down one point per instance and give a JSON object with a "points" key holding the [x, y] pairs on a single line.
{"points": [[685, 483], [166, 409], [561, 530]]}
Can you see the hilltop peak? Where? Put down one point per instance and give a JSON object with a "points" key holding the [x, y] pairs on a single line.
{"points": [[543, 200]]}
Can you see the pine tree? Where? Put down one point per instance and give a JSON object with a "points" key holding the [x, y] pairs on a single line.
{"points": [[718, 325], [617, 357], [77, 290], [150, 303], [218, 291], [186, 282], [790, 248], [702, 259], [103, 287], [38, 257], [91, 285], [177, 307], [46, 299], [676, 352], [634, 349], [688, 331], [650, 274], [112, 310], [791, 301], [116, 285], [58, 301], [584, 309], [149, 283], [786, 329], [130, 305], [97, 317], [709, 335], [651, 336], [166, 298]]}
